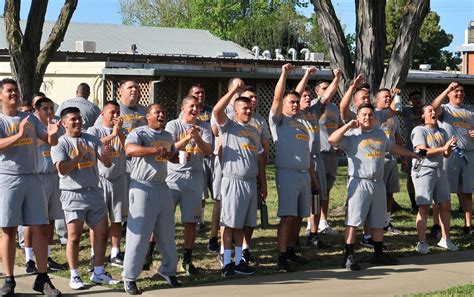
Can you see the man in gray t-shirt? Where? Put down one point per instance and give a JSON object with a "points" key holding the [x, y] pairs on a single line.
{"points": [[193, 140], [75, 158], [151, 203], [365, 146], [89, 111]]}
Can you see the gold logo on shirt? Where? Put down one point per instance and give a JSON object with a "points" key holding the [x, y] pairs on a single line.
{"points": [[302, 137], [23, 141]]}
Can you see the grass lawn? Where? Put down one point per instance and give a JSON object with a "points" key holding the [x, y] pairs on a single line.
{"points": [[463, 290], [264, 244]]}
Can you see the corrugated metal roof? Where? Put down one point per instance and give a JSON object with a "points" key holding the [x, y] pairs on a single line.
{"points": [[149, 40]]}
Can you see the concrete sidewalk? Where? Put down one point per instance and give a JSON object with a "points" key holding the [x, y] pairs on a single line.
{"points": [[414, 274]]}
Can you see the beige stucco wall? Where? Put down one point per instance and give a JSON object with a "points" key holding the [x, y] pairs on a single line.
{"points": [[62, 78]]}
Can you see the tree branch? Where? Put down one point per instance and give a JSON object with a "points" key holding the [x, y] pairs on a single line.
{"points": [[34, 26]]}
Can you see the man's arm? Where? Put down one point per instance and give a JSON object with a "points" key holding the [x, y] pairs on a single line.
{"points": [[219, 109], [304, 80], [332, 88], [439, 100], [345, 104], [65, 167], [8, 141], [277, 104], [335, 138], [401, 151], [445, 150], [136, 150]]}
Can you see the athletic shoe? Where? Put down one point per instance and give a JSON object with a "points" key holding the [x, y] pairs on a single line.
{"points": [[46, 287], [317, 242], [228, 270], [327, 229], [31, 267], [370, 243], [467, 230], [293, 257], [423, 248], [244, 268], [76, 283], [170, 279], [92, 264], [448, 245], [350, 263], [435, 232], [284, 266], [8, 288], [213, 245], [392, 229], [104, 278], [383, 259], [55, 266], [247, 257], [220, 257], [131, 287], [189, 268], [116, 261]]}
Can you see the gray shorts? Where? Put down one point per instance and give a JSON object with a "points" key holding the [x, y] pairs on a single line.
{"points": [[22, 200], [86, 205], [430, 185], [321, 174], [330, 160], [217, 179], [186, 189], [294, 192], [208, 177], [390, 176], [50, 184], [366, 201], [238, 202], [461, 179], [115, 193]]}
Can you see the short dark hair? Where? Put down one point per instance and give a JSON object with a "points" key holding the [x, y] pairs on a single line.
{"points": [[42, 100], [123, 81], [7, 81], [69, 110], [291, 92], [365, 86], [195, 86], [38, 94], [242, 99], [111, 102], [150, 107], [318, 84], [188, 98], [380, 91], [250, 89], [365, 105]]}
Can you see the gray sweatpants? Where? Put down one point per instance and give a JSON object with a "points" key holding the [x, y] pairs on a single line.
{"points": [[151, 210]]}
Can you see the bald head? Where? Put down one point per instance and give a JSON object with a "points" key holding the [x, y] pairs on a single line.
{"points": [[83, 90]]}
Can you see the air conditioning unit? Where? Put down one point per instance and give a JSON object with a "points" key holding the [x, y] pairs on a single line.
{"points": [[85, 46]]}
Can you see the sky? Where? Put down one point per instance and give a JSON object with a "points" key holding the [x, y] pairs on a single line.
{"points": [[454, 14]]}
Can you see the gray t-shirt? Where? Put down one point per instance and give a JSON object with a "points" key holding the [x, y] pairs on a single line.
{"points": [[241, 145], [133, 117], [117, 153], [177, 128], [329, 122], [150, 168], [291, 140], [462, 120], [89, 111], [259, 123], [365, 152], [432, 138], [86, 174], [310, 119], [21, 157]]}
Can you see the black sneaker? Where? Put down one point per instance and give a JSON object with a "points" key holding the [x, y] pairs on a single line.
{"points": [[293, 257], [370, 243], [435, 232], [350, 263], [383, 259], [213, 245], [317, 242], [92, 264], [170, 279], [46, 287], [244, 268], [467, 230], [148, 261], [116, 261], [228, 270], [31, 267], [131, 287], [55, 266], [8, 288], [189, 268], [247, 257], [284, 266]]}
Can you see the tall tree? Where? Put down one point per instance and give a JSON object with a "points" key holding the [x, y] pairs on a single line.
{"points": [[370, 40], [28, 60]]}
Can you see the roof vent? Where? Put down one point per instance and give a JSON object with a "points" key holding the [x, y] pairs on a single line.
{"points": [[85, 46], [228, 54], [425, 67]]}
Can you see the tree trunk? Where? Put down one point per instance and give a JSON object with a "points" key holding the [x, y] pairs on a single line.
{"points": [[404, 46], [370, 41], [28, 63], [339, 55]]}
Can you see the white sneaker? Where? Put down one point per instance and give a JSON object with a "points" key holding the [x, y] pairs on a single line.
{"points": [[327, 230], [103, 278], [448, 244], [423, 248], [76, 283]]}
